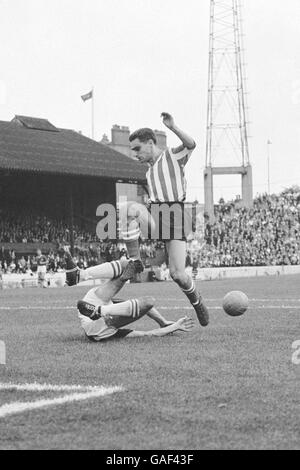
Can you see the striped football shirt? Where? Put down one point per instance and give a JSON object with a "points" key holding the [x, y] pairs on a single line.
{"points": [[166, 178]]}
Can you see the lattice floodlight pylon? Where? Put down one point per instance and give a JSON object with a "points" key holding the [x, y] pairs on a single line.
{"points": [[227, 137], [227, 149]]}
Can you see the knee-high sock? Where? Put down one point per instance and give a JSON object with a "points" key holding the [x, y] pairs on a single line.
{"points": [[192, 293], [131, 237], [130, 308], [102, 271]]}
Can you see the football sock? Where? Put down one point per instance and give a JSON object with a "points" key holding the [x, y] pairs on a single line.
{"points": [[130, 308], [133, 249], [131, 237], [192, 294], [102, 271]]}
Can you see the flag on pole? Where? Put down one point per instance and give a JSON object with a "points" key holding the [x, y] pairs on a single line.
{"points": [[87, 96]]}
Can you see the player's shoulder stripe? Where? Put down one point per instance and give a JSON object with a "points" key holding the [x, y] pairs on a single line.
{"points": [[166, 172], [162, 180], [159, 192], [182, 154], [172, 175], [152, 185]]}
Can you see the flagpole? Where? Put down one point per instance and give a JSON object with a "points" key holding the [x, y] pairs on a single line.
{"points": [[93, 113], [90, 96]]}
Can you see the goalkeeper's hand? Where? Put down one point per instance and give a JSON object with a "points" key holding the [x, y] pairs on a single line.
{"points": [[184, 324]]}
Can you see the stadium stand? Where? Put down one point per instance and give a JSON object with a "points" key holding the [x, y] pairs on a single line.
{"points": [[51, 182], [48, 174], [267, 234]]}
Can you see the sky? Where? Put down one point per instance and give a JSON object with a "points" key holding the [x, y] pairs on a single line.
{"points": [[147, 56]]}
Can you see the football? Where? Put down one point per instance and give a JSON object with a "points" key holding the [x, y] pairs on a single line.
{"points": [[235, 303]]}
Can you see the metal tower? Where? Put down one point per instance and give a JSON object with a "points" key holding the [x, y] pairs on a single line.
{"points": [[227, 150]]}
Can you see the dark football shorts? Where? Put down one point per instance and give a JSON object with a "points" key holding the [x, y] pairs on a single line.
{"points": [[121, 333], [172, 221]]}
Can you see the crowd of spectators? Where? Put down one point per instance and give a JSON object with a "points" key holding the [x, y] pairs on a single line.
{"points": [[16, 228], [10, 263], [267, 234], [36, 228], [94, 254], [33, 228]]}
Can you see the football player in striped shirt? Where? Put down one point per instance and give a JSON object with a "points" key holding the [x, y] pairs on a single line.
{"points": [[102, 316], [166, 184]]}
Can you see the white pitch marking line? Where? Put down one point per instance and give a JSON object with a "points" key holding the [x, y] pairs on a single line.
{"points": [[72, 307], [20, 407], [35, 387], [220, 300], [162, 307], [34, 307], [274, 300], [260, 307]]}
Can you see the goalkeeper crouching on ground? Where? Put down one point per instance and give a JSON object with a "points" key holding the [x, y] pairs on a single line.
{"points": [[103, 316]]}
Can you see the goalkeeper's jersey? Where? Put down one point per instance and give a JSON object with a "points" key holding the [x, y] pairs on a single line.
{"points": [[166, 178], [96, 330]]}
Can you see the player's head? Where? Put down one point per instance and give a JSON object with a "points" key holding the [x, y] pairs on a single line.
{"points": [[38, 252], [142, 143]]}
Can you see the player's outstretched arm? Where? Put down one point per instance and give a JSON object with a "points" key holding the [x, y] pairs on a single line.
{"points": [[183, 324], [169, 122], [155, 315]]}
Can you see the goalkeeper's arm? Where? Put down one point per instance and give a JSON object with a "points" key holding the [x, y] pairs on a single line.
{"points": [[184, 324]]}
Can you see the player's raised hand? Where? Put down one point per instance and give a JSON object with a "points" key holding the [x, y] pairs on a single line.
{"points": [[168, 120], [185, 324]]}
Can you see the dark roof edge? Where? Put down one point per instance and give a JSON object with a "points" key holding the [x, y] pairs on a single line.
{"points": [[80, 175]]}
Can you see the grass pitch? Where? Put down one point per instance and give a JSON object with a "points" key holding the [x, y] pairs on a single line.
{"points": [[230, 386]]}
